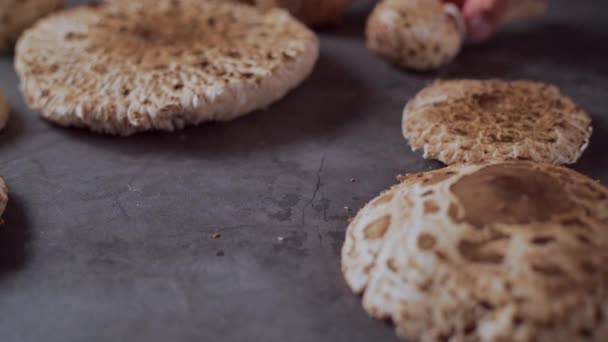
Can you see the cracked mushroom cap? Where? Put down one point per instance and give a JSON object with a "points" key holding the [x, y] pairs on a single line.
{"points": [[131, 66], [476, 121], [312, 12], [18, 15], [415, 34], [4, 110], [3, 197], [510, 251]]}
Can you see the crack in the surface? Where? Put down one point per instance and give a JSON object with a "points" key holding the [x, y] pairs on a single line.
{"points": [[121, 208], [320, 236], [317, 187], [41, 168]]}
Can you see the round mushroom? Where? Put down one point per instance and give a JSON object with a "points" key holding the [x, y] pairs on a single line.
{"points": [[415, 34], [4, 111], [131, 66], [18, 15], [475, 121], [506, 251]]}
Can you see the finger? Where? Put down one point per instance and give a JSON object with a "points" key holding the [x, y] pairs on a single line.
{"points": [[483, 17], [459, 3]]}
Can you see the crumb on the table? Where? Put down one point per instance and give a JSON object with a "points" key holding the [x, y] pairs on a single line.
{"points": [[352, 180], [215, 236]]}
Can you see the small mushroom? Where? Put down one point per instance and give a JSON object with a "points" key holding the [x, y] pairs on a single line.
{"points": [[415, 34], [428, 34], [460, 121]]}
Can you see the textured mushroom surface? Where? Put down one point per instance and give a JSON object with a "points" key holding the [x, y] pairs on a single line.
{"points": [[130, 66], [18, 15], [415, 34], [475, 121], [312, 12], [4, 110], [511, 251]]}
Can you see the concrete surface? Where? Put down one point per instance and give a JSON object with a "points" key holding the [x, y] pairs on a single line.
{"points": [[107, 239]]}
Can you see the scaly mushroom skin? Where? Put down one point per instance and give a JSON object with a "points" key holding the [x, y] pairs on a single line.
{"points": [[130, 66], [507, 251], [460, 121], [415, 34]]}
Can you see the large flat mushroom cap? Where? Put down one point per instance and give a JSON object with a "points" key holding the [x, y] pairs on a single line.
{"points": [[415, 34], [129, 66], [459, 121], [508, 251], [18, 15]]}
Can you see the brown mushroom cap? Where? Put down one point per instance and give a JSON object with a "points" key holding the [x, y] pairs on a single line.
{"points": [[18, 15], [312, 12], [4, 110], [415, 34], [474, 121], [130, 66], [510, 251]]}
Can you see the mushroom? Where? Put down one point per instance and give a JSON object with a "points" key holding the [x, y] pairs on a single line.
{"points": [[460, 121], [506, 251], [130, 66], [415, 34], [428, 34]]}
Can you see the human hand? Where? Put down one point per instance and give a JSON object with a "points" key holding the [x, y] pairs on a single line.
{"points": [[482, 17]]}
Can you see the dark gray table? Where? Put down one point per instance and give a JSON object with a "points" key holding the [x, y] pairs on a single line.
{"points": [[107, 239]]}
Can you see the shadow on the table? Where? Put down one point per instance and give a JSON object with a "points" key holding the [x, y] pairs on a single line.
{"points": [[354, 22], [594, 161], [559, 44], [328, 100], [14, 235], [14, 128]]}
